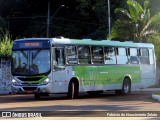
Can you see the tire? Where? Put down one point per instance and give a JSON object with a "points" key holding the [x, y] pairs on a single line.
{"points": [[126, 88], [72, 90], [37, 96]]}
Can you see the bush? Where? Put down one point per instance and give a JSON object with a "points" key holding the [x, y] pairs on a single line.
{"points": [[155, 39], [5, 46]]}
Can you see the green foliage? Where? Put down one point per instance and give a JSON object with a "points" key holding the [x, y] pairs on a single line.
{"points": [[123, 30], [2, 23], [155, 39], [140, 18], [78, 19], [5, 45]]}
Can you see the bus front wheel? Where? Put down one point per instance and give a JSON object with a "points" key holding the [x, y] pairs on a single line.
{"points": [[126, 88], [72, 90]]}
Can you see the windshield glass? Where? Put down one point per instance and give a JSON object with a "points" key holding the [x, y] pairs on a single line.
{"points": [[30, 62]]}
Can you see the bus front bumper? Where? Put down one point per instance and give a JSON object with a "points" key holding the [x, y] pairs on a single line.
{"points": [[32, 89]]}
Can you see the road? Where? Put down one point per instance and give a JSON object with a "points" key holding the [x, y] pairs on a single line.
{"points": [[137, 101], [85, 105]]}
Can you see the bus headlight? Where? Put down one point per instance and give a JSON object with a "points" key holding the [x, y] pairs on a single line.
{"points": [[46, 81], [15, 82]]}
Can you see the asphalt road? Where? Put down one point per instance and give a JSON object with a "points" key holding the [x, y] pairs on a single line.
{"points": [[136, 101], [84, 106]]}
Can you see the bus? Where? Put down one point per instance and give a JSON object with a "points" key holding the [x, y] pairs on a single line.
{"points": [[43, 66]]}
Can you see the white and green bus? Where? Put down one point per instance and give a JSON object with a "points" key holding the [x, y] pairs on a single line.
{"points": [[44, 66]]}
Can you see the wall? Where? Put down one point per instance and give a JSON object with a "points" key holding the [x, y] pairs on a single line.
{"points": [[5, 77]]}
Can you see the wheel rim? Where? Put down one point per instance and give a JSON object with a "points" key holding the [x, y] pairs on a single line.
{"points": [[73, 90], [126, 88]]}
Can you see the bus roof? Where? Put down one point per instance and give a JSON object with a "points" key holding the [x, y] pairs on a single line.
{"points": [[59, 41], [100, 42]]}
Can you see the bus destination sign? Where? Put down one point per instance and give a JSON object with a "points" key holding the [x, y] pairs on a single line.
{"points": [[30, 45]]}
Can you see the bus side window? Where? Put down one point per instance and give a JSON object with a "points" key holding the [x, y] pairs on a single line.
{"points": [[97, 55], [71, 54], [151, 56], [109, 54], [133, 56], [144, 56], [84, 54], [122, 56]]}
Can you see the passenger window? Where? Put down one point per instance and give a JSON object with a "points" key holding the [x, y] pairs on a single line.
{"points": [[84, 54], [122, 56], [144, 56], [133, 56], [151, 56], [97, 55], [71, 55], [109, 53]]}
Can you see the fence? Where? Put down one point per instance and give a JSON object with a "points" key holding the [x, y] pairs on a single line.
{"points": [[5, 77]]}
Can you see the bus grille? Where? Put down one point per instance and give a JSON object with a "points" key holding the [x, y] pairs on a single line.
{"points": [[30, 79], [29, 83]]}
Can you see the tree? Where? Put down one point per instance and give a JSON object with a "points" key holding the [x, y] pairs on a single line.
{"points": [[3, 25], [155, 39], [138, 22]]}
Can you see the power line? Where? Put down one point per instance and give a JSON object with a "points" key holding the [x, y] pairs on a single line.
{"points": [[80, 21], [29, 17], [26, 17]]}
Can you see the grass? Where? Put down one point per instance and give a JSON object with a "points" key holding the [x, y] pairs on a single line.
{"points": [[158, 93]]}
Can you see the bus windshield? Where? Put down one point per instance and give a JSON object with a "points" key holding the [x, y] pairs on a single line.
{"points": [[30, 62]]}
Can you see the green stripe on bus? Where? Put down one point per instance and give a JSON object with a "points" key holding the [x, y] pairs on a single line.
{"points": [[106, 74]]}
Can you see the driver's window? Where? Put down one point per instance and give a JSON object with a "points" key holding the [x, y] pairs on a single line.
{"points": [[58, 56]]}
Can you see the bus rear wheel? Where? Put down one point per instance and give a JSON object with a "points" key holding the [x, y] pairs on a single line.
{"points": [[72, 90], [126, 88]]}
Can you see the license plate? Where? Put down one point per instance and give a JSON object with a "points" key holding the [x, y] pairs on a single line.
{"points": [[29, 91]]}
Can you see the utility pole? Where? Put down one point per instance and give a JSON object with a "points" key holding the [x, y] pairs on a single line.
{"points": [[109, 18], [50, 18]]}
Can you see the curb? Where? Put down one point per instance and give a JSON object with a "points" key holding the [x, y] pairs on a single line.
{"points": [[153, 90], [156, 97], [147, 89]]}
